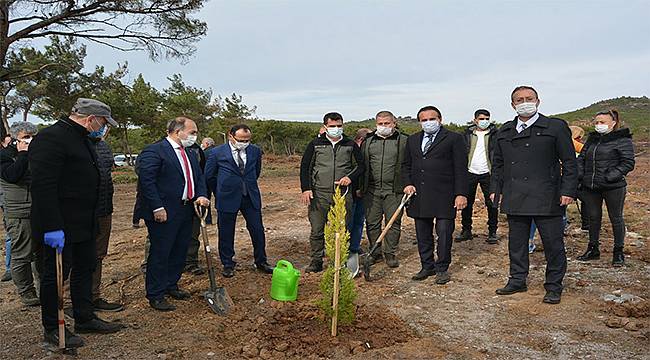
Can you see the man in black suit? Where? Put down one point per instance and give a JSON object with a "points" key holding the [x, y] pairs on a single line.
{"points": [[535, 171], [64, 190], [171, 181], [435, 170]]}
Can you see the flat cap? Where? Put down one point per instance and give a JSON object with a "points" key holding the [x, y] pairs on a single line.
{"points": [[93, 107]]}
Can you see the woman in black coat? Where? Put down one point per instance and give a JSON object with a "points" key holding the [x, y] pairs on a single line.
{"points": [[608, 155]]}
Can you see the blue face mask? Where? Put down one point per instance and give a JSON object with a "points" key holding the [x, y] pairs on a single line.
{"points": [[483, 124], [98, 134]]}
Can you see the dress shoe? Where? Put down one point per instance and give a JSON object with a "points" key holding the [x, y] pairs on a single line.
{"points": [[265, 268], [391, 260], [464, 235], [6, 276], [228, 272], [161, 305], [30, 299], [423, 274], [103, 305], [493, 238], [552, 297], [97, 326], [314, 267], [179, 294], [194, 269], [510, 289], [618, 258], [592, 253], [71, 340], [442, 277]]}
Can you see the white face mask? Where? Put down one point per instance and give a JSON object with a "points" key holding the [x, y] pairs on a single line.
{"points": [[191, 139], [602, 128], [385, 131], [335, 132], [240, 145], [430, 126], [27, 140], [526, 109]]}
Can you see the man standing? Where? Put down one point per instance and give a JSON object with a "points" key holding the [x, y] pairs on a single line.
{"points": [[207, 143], [65, 179], [435, 170], [15, 180], [232, 173], [7, 274], [358, 219], [382, 188], [329, 160], [534, 171], [104, 220], [171, 181], [480, 138]]}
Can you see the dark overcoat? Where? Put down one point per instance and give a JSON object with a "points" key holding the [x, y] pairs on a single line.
{"points": [[438, 176]]}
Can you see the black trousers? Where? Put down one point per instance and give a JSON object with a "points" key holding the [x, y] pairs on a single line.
{"points": [[493, 214], [424, 234], [81, 258], [593, 203], [552, 233]]}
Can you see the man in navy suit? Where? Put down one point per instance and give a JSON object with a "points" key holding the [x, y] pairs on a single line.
{"points": [[232, 171], [170, 180]]}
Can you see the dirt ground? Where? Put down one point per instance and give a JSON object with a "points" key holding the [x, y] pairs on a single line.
{"points": [[605, 312]]}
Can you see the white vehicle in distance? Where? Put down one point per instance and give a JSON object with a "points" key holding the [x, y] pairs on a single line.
{"points": [[122, 160]]}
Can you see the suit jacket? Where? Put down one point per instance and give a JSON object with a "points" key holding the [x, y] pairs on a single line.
{"points": [[532, 169], [161, 180], [65, 181], [439, 175], [227, 182]]}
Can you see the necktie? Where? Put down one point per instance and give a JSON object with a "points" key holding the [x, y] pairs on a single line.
{"points": [[240, 161], [188, 179], [428, 144], [523, 126]]}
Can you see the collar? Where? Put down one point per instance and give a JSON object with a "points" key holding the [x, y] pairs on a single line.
{"points": [[232, 147], [528, 122], [334, 142], [173, 143]]}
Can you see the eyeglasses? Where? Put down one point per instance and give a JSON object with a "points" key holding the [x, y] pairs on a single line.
{"points": [[332, 126]]}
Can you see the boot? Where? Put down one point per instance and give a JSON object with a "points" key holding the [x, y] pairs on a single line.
{"points": [[315, 266], [592, 253], [618, 259], [30, 299], [464, 235], [391, 260]]}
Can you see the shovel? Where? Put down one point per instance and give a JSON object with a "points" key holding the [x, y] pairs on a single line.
{"points": [[217, 297], [368, 260], [60, 315], [353, 264]]}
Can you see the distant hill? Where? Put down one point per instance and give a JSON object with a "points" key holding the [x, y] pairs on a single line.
{"points": [[634, 111]]}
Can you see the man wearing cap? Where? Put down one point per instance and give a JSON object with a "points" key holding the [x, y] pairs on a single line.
{"points": [[64, 190]]}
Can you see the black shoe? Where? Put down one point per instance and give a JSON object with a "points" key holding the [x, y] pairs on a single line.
{"points": [[97, 326], [423, 274], [592, 253], [618, 259], [194, 269], [161, 305], [71, 340], [552, 297], [377, 258], [391, 261], [6, 276], [442, 278], [511, 289], [265, 268], [30, 298], [314, 267], [179, 294], [103, 305], [464, 235], [228, 272], [493, 238]]}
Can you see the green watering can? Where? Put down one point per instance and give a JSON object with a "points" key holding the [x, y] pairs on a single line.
{"points": [[284, 283]]}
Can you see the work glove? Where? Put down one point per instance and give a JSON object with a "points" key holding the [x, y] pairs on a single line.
{"points": [[55, 239]]}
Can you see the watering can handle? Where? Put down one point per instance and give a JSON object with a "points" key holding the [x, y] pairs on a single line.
{"points": [[284, 264]]}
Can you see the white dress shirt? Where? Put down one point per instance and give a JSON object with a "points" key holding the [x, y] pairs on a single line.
{"points": [[177, 151], [233, 151], [425, 139], [528, 122]]}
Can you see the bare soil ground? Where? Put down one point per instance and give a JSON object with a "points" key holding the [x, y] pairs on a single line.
{"points": [[396, 318]]}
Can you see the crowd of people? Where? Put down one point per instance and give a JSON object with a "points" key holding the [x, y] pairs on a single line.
{"points": [[58, 192]]}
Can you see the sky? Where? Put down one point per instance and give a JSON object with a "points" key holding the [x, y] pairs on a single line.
{"points": [[297, 60]]}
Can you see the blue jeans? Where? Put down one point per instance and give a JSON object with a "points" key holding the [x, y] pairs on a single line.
{"points": [[355, 227]]}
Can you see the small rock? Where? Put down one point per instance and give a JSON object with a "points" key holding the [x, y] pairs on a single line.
{"points": [[634, 325], [250, 351], [162, 356], [480, 271], [282, 347], [261, 301], [266, 354], [616, 322], [210, 353]]}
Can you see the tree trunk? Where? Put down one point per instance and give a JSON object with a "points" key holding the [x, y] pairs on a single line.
{"points": [[272, 144], [27, 109], [127, 149]]}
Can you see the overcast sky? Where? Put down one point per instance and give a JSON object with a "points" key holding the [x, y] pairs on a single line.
{"points": [[296, 60]]}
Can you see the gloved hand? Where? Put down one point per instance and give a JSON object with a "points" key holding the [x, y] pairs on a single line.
{"points": [[55, 239]]}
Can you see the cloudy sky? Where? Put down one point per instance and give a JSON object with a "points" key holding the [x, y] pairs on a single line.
{"points": [[297, 60]]}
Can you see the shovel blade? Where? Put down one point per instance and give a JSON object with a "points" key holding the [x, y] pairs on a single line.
{"points": [[353, 264], [219, 301]]}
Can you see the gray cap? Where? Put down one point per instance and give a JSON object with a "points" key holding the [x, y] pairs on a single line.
{"points": [[93, 107]]}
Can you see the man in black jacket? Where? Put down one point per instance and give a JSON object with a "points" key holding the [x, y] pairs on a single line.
{"points": [[65, 181], [534, 169], [479, 138], [435, 171], [16, 180], [331, 159]]}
